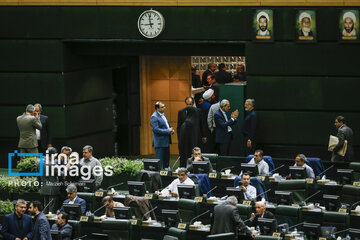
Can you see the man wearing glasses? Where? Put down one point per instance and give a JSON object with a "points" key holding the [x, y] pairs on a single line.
{"points": [[182, 179]]}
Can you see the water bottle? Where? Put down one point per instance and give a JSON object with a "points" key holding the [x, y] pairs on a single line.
{"points": [[348, 237]]}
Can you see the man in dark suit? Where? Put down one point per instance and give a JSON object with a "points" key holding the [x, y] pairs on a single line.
{"points": [[344, 133], [226, 218], [222, 76], [196, 84], [17, 225], [209, 71], [61, 225], [260, 212], [162, 132], [41, 229], [73, 198], [248, 129], [214, 86], [196, 156], [45, 140], [223, 121]]}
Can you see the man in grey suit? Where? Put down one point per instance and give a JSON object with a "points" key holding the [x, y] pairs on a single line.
{"points": [[27, 124], [41, 229], [226, 218], [344, 133]]}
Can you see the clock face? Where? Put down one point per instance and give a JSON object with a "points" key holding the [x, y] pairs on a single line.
{"points": [[151, 23]]}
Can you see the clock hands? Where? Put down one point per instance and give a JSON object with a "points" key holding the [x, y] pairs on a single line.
{"points": [[150, 23]]}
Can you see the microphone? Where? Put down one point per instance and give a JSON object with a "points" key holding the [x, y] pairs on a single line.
{"points": [[340, 231], [80, 237], [296, 225], [325, 170], [191, 221], [211, 190], [227, 168], [148, 212], [119, 184], [48, 204], [256, 215], [304, 202], [174, 163], [100, 208], [278, 168], [263, 193], [354, 204]]}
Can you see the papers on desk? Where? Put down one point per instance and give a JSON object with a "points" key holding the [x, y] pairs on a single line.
{"points": [[333, 141]]}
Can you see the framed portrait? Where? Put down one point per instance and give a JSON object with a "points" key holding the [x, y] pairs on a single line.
{"points": [[262, 25], [349, 25], [305, 25]]}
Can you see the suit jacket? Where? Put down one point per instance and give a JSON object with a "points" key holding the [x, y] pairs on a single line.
{"points": [[27, 125], [249, 125], [65, 231], [223, 77], [226, 219], [255, 222], [222, 125], [161, 134], [48, 183], [78, 200], [344, 133], [216, 87], [190, 160], [45, 136], [10, 227], [41, 230], [204, 77]]}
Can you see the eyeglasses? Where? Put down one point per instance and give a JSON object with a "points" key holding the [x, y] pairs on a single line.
{"points": [[181, 174]]}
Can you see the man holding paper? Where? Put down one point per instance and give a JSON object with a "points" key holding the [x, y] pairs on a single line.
{"points": [[344, 136]]}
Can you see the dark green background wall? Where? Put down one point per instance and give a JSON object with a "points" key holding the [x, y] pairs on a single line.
{"points": [[64, 58]]}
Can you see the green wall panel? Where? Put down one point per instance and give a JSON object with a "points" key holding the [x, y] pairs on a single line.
{"points": [[304, 93], [9, 129], [301, 128], [31, 56], [25, 88], [324, 59]]}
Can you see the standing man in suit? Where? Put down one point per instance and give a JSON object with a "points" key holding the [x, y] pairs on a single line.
{"points": [[209, 71], [249, 128], [162, 132], [41, 229], [73, 198], [226, 218], [260, 212], [43, 136], [27, 124], [214, 86], [344, 133], [17, 225], [62, 226], [223, 121], [222, 76]]}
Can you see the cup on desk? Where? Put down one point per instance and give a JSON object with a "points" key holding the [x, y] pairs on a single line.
{"points": [[227, 171]]}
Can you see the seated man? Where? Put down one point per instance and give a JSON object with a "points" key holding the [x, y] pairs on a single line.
{"points": [[17, 225], [73, 198], [109, 212], [300, 161], [249, 191], [62, 226], [261, 164], [196, 156], [260, 209], [181, 180]]}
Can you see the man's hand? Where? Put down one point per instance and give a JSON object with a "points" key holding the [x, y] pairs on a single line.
{"points": [[235, 114], [248, 144], [253, 235], [171, 130], [252, 216], [206, 87], [197, 159], [174, 194], [243, 188]]}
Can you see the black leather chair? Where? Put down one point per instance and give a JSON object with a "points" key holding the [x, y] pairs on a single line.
{"points": [[117, 229], [212, 157], [90, 200], [188, 209], [175, 233]]}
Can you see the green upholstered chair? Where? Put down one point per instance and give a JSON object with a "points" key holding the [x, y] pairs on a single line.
{"points": [[117, 229], [76, 225], [244, 211], [288, 214], [356, 167], [90, 200], [263, 237], [175, 233], [222, 236], [188, 209], [350, 194], [296, 186], [335, 219], [212, 157]]}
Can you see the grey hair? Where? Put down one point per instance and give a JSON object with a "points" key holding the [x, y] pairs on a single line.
{"points": [[66, 148], [224, 102], [71, 188], [184, 170], [302, 157], [262, 203], [20, 201], [88, 147], [30, 108], [38, 105], [232, 200], [251, 101]]}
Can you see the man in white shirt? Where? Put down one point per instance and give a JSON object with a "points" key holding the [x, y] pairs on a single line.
{"points": [[249, 191], [181, 180], [258, 160]]}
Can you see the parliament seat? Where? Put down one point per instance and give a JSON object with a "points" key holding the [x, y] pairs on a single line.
{"points": [[335, 219], [350, 194], [267, 159], [356, 167], [222, 236], [288, 214], [76, 226], [175, 233], [244, 211], [188, 209], [90, 200], [212, 157], [296, 186], [117, 229]]}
